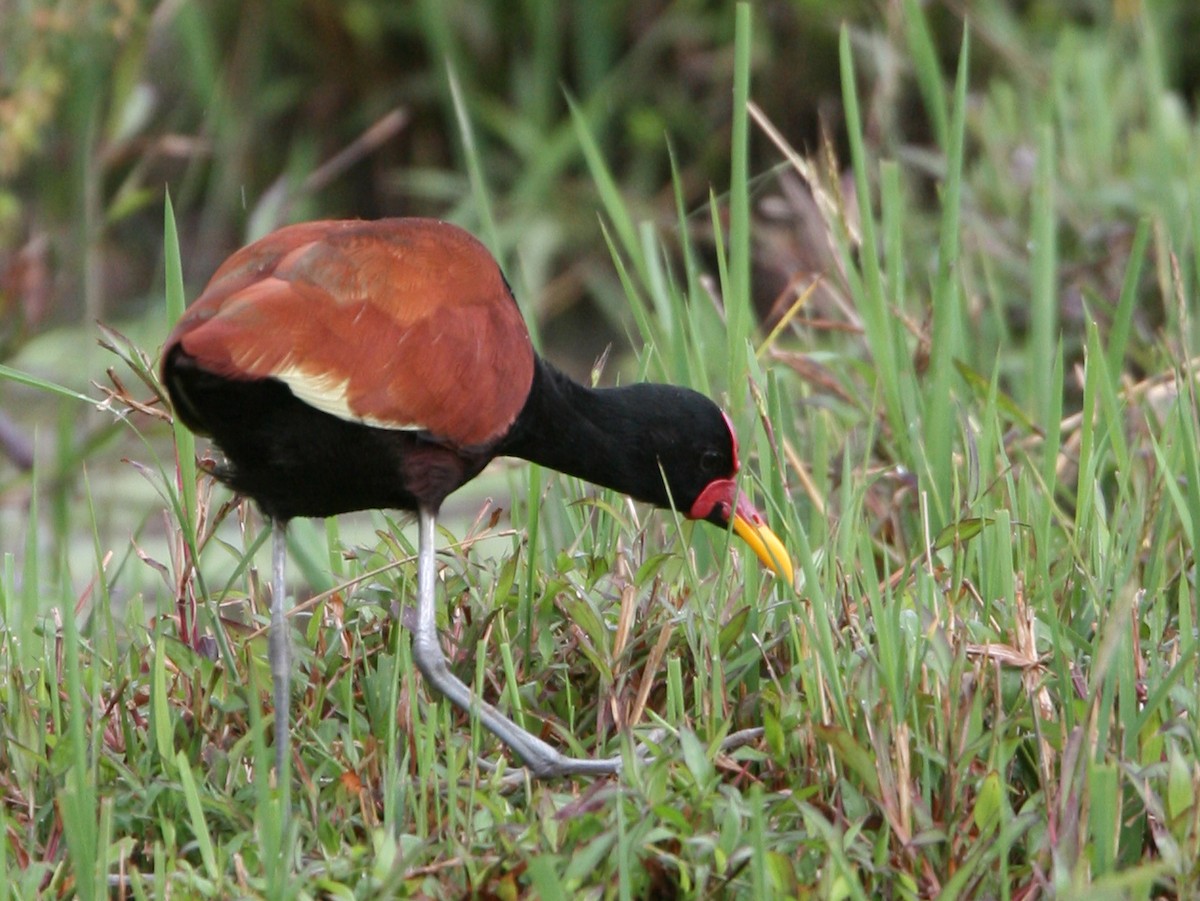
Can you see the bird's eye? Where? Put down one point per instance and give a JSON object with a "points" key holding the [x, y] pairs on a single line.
{"points": [[710, 463]]}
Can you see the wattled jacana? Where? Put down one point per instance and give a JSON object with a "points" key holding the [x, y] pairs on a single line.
{"points": [[351, 365]]}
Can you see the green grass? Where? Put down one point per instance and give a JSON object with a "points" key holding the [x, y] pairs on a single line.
{"points": [[979, 436]]}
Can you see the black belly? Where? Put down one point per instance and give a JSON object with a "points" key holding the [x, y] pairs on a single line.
{"points": [[296, 460]]}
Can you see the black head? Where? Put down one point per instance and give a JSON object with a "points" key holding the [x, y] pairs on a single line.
{"points": [[696, 448], [687, 450], [662, 444]]}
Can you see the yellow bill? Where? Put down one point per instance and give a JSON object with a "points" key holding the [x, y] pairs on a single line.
{"points": [[766, 545]]}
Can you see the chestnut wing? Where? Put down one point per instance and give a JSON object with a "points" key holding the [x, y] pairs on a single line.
{"points": [[399, 324]]}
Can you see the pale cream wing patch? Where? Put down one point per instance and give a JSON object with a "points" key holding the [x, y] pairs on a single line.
{"points": [[330, 394]]}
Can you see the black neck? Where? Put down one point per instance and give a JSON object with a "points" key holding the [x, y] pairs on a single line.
{"points": [[597, 434]]}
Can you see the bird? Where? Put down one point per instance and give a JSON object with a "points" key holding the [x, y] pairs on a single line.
{"points": [[343, 365]]}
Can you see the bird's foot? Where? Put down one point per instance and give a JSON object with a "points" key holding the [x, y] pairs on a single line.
{"points": [[555, 765]]}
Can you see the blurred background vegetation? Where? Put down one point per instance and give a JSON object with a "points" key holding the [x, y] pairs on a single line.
{"points": [[258, 113]]}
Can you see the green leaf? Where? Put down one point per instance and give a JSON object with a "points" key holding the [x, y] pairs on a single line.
{"points": [[989, 803], [195, 809], [33, 381], [857, 759], [695, 757], [983, 386], [733, 630], [160, 708], [961, 531]]}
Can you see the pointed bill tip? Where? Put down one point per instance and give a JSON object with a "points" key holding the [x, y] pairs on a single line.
{"points": [[766, 545]]}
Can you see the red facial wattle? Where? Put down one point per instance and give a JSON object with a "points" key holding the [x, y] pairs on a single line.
{"points": [[722, 504]]}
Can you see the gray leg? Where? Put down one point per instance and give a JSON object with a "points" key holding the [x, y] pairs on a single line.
{"points": [[542, 760], [279, 648]]}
